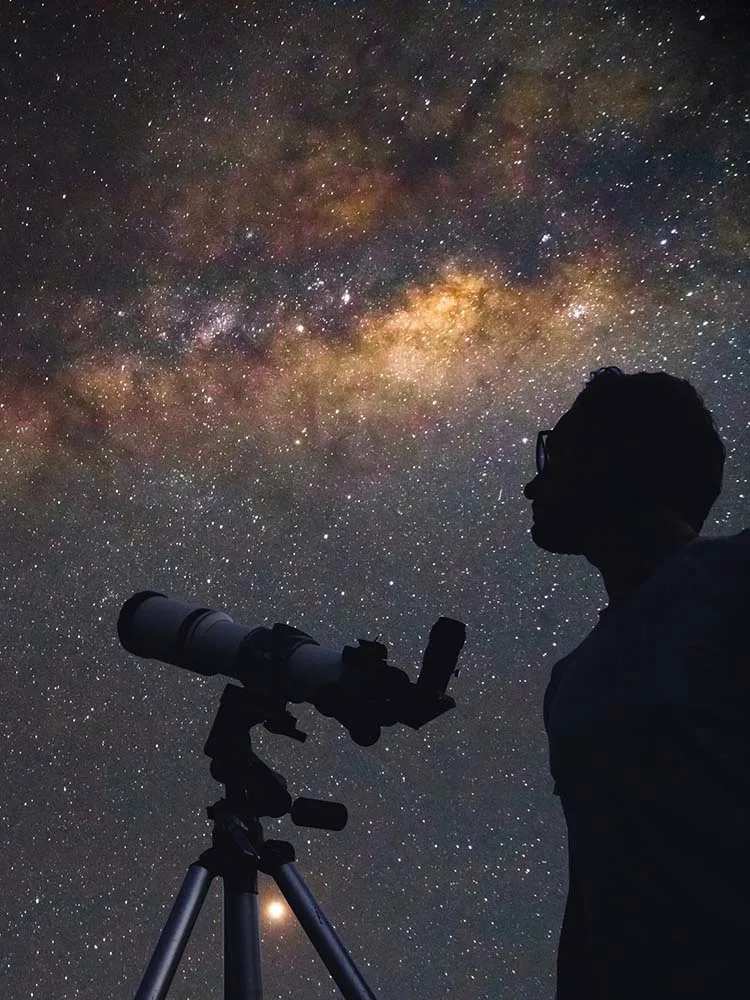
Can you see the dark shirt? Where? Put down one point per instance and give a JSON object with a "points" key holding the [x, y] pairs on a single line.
{"points": [[648, 722]]}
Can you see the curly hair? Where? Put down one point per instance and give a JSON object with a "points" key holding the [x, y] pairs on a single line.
{"points": [[661, 437]]}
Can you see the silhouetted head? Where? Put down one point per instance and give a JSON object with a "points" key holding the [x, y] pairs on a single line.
{"points": [[643, 443]]}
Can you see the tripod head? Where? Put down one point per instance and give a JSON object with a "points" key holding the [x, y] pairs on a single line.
{"points": [[356, 686], [253, 789]]}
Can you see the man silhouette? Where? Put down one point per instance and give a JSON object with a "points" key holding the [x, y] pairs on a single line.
{"points": [[648, 719]]}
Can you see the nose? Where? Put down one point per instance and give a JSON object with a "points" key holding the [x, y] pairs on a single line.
{"points": [[529, 490]]}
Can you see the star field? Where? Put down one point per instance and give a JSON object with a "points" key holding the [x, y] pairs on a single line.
{"points": [[287, 291]]}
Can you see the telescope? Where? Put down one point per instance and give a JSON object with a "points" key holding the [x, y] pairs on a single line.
{"points": [[275, 665], [282, 664]]}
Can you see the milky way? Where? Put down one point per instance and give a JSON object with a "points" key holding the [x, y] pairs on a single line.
{"points": [[284, 228], [286, 292]]}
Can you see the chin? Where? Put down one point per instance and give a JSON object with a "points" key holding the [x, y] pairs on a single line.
{"points": [[559, 538]]}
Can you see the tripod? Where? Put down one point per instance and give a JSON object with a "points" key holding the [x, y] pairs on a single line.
{"points": [[239, 852]]}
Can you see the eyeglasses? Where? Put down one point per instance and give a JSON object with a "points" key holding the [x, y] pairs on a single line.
{"points": [[542, 454]]}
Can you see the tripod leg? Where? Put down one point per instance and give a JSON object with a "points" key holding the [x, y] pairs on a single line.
{"points": [[324, 938], [174, 937], [242, 970]]}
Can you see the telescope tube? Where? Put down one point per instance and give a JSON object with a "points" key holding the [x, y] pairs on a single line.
{"points": [[157, 627]]}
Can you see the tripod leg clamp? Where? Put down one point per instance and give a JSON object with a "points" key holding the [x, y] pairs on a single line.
{"points": [[274, 854]]}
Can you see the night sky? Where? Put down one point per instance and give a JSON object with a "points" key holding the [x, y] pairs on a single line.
{"points": [[287, 290]]}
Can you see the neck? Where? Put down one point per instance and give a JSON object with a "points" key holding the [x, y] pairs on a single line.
{"points": [[629, 551]]}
